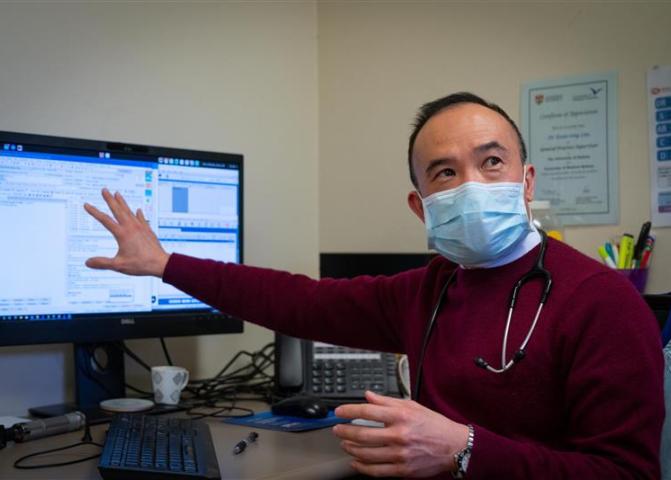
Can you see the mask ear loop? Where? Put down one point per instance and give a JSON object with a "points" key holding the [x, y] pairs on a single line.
{"points": [[421, 199], [530, 214]]}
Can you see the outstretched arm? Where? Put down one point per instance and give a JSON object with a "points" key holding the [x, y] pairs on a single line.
{"points": [[360, 313], [140, 252]]}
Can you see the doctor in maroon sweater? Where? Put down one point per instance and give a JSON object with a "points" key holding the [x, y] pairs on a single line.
{"points": [[584, 399]]}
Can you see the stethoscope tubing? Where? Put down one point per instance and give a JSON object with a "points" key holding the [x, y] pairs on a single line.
{"points": [[538, 270]]}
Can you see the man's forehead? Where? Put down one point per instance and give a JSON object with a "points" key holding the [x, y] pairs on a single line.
{"points": [[465, 125]]}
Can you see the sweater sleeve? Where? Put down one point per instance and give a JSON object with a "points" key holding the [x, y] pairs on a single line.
{"points": [[611, 351], [361, 312]]}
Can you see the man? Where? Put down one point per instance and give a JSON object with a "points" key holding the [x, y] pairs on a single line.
{"points": [[582, 399]]}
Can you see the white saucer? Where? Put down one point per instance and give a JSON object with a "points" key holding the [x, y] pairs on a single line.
{"points": [[126, 404]]}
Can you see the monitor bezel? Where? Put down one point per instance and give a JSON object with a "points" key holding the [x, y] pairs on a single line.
{"points": [[91, 328]]}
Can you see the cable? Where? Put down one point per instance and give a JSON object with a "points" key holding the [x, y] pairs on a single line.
{"points": [[84, 368], [91, 377], [228, 384], [251, 379], [17, 463], [165, 351], [132, 355], [86, 440]]}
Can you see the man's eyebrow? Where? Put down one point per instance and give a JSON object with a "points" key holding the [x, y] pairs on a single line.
{"points": [[439, 162], [493, 145]]}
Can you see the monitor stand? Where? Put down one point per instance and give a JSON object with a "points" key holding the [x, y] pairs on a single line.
{"points": [[99, 375]]}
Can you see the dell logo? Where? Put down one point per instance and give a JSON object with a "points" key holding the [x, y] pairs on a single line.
{"points": [[127, 321]]}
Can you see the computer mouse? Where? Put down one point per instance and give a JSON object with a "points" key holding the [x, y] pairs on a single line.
{"points": [[301, 406]]}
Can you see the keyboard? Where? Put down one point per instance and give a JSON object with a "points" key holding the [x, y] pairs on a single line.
{"points": [[140, 446]]}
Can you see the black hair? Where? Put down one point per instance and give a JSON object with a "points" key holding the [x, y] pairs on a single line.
{"points": [[430, 109]]}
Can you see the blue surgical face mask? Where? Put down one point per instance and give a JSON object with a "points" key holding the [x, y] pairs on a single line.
{"points": [[476, 223]]}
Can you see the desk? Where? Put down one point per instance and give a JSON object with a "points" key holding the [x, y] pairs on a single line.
{"points": [[275, 455]]}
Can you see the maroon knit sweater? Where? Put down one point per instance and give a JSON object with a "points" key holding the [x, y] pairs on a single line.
{"points": [[585, 403]]}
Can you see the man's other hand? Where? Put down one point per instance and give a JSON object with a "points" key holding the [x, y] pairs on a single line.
{"points": [[140, 252], [415, 441]]}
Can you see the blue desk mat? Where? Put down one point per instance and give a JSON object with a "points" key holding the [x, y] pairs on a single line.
{"points": [[286, 424]]}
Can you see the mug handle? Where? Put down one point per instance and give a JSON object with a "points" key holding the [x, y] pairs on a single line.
{"points": [[185, 382]]}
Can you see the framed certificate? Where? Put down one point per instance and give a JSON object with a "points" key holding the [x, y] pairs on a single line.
{"points": [[570, 126]]}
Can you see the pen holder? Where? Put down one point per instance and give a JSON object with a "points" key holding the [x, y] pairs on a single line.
{"points": [[637, 276]]}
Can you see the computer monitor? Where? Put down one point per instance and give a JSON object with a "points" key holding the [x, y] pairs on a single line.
{"points": [[193, 201], [350, 265]]}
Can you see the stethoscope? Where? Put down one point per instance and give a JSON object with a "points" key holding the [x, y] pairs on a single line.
{"points": [[537, 271]]}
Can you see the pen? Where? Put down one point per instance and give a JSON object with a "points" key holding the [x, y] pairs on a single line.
{"points": [[640, 242], [611, 248], [242, 444], [647, 251], [605, 257]]}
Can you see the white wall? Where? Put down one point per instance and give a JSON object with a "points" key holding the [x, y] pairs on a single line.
{"points": [[231, 77], [379, 61]]}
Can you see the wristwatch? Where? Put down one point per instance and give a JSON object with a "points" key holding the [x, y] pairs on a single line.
{"points": [[462, 457]]}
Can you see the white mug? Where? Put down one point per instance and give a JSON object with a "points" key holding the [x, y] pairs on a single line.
{"points": [[167, 383]]}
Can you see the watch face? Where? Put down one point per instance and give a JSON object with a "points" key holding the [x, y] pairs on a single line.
{"points": [[461, 460], [464, 461]]}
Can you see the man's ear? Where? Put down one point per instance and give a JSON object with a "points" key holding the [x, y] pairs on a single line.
{"points": [[530, 184], [415, 204]]}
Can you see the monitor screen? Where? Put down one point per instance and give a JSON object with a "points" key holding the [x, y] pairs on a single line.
{"points": [[192, 200]]}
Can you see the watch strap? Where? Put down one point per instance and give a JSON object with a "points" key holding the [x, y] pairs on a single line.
{"points": [[462, 457]]}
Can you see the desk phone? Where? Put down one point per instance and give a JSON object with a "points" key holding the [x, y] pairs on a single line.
{"points": [[332, 371]]}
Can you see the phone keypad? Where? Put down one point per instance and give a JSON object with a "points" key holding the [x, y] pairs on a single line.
{"points": [[351, 377]]}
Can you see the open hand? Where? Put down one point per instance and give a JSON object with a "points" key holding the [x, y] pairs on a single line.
{"points": [[140, 252], [415, 441]]}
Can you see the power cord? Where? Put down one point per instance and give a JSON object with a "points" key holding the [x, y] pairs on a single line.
{"points": [[133, 355], [86, 440], [91, 377], [165, 351], [250, 381]]}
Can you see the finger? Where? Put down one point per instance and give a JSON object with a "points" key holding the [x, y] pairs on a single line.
{"points": [[378, 399], [114, 206], [364, 435], [367, 454], [379, 469], [145, 222], [100, 263], [106, 221], [365, 410], [141, 217], [123, 205]]}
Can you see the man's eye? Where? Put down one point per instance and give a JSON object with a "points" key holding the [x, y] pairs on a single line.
{"points": [[448, 172], [492, 162]]}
